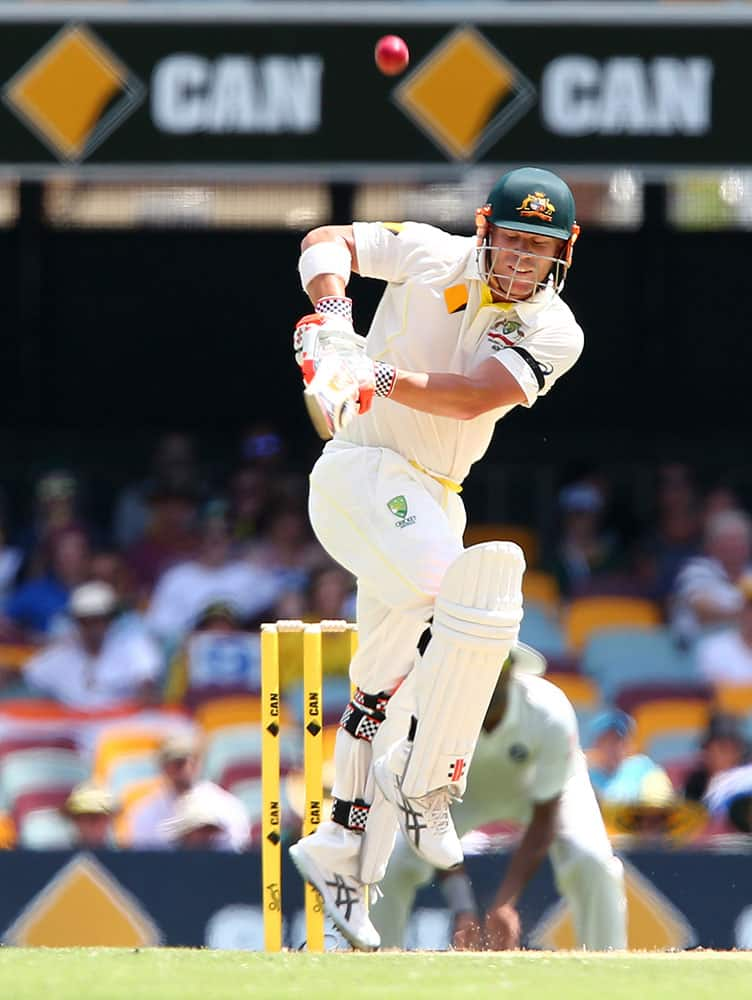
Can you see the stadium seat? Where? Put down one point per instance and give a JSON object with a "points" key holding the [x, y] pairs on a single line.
{"points": [[45, 830], [620, 658], [736, 699], [243, 743], [131, 769], [232, 711], [244, 770], [679, 744], [662, 718], [118, 743], [629, 698], [581, 691], [541, 630], [525, 537], [587, 615], [34, 770], [36, 742], [7, 832], [563, 663], [43, 798], [540, 588], [14, 656]]}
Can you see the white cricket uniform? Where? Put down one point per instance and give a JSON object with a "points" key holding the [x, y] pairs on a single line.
{"points": [[399, 555], [384, 494], [532, 756]]}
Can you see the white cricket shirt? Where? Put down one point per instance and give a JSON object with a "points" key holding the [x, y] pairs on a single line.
{"points": [[421, 324], [526, 759]]}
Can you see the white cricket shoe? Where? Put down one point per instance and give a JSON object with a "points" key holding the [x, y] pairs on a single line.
{"points": [[426, 822], [343, 895]]}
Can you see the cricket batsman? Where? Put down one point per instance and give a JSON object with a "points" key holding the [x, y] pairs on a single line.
{"points": [[528, 768], [467, 329]]}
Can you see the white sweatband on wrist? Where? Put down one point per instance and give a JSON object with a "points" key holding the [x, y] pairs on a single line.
{"points": [[324, 258], [458, 893]]}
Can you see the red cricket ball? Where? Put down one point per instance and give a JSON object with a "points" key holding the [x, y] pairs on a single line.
{"points": [[391, 54]]}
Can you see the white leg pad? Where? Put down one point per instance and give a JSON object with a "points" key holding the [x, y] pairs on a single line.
{"points": [[475, 624]]}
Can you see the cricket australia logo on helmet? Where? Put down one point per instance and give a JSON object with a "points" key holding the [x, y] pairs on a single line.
{"points": [[537, 206], [398, 506]]}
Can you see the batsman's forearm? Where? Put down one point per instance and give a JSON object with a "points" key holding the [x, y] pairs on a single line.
{"points": [[523, 865], [443, 394], [325, 285]]}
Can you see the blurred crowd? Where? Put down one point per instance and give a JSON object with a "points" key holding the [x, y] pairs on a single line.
{"points": [[159, 610]]}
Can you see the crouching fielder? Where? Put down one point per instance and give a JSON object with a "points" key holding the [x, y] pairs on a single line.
{"points": [[527, 768]]}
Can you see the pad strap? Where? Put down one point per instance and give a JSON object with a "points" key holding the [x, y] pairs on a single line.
{"points": [[364, 714], [351, 815]]}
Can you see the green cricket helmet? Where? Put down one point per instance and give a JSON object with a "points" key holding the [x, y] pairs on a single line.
{"points": [[529, 200]]}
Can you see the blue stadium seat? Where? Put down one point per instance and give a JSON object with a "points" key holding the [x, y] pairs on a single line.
{"points": [[542, 631], [233, 744], [674, 746], [30, 770], [619, 658], [130, 769], [45, 830]]}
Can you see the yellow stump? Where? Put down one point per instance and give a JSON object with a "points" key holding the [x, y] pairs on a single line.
{"points": [[313, 765], [271, 848], [271, 871]]}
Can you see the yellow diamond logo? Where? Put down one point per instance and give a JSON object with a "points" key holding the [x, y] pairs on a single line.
{"points": [[465, 94], [83, 906], [655, 924], [73, 93]]}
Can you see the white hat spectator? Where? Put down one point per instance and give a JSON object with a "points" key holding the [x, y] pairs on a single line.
{"points": [[195, 810], [93, 600]]}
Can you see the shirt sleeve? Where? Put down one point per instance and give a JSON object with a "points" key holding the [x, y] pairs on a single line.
{"points": [[396, 252], [556, 757], [541, 358], [162, 616], [146, 659], [37, 672]]}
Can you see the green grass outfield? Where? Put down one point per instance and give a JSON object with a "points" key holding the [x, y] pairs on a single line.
{"points": [[183, 974]]}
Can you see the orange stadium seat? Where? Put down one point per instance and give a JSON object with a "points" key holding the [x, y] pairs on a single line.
{"points": [[586, 615], [581, 691], [541, 588], [13, 656], [116, 744], [234, 710], [7, 832], [525, 537], [733, 698], [661, 718]]}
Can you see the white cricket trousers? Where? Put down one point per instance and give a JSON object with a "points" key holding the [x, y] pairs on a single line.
{"points": [[587, 874], [399, 560], [397, 530]]}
